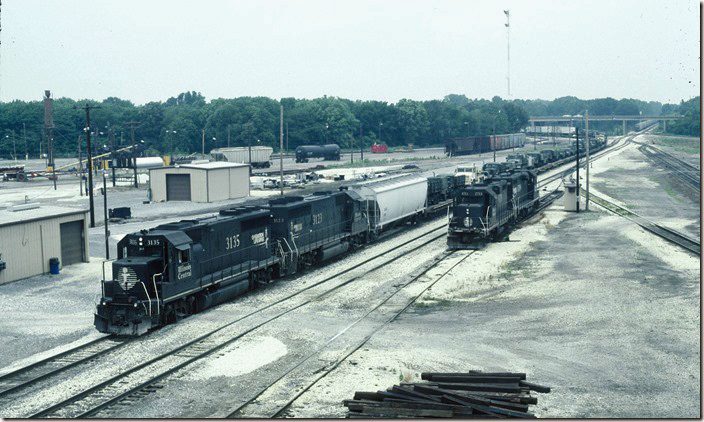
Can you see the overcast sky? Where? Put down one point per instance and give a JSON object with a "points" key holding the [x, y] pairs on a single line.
{"points": [[371, 50]]}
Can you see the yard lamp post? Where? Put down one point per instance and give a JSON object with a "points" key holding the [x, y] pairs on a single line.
{"points": [[105, 215], [171, 144], [493, 146], [14, 152], [380, 125]]}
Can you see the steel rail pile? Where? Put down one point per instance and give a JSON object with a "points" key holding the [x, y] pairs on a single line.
{"points": [[472, 394]]}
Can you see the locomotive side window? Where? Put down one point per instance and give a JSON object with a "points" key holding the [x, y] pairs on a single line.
{"points": [[183, 255]]}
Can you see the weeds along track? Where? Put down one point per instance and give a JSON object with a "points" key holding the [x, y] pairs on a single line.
{"points": [[670, 235], [147, 377], [253, 407], [687, 174], [15, 382]]}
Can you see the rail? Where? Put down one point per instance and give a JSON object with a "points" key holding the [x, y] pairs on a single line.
{"points": [[668, 234]]}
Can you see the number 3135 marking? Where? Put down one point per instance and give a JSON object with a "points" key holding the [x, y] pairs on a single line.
{"points": [[232, 242]]}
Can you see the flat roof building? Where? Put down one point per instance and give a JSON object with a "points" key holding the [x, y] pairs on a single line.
{"points": [[208, 182], [30, 235]]}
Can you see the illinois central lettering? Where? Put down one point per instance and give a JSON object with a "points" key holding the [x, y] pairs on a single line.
{"points": [[184, 271]]}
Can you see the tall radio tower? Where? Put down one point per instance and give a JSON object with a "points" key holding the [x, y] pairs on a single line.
{"points": [[508, 53]]}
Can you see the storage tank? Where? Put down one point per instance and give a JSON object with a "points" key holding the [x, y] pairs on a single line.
{"points": [[326, 152], [393, 199], [149, 162], [260, 155]]}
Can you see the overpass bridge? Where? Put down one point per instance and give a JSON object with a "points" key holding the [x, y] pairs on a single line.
{"points": [[623, 118]]}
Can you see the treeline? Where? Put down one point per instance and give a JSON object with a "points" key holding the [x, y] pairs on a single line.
{"points": [[690, 123], [178, 124]]}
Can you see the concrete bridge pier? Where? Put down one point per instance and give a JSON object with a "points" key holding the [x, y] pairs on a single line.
{"points": [[624, 127]]}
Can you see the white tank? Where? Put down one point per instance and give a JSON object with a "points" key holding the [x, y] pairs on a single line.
{"points": [[396, 198], [149, 162]]}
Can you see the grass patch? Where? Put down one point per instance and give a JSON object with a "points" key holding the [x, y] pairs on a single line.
{"points": [[668, 189], [686, 145]]}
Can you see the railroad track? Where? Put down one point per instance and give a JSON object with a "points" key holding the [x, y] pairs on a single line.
{"points": [[17, 380], [686, 173], [398, 309], [146, 377], [583, 162], [670, 235]]}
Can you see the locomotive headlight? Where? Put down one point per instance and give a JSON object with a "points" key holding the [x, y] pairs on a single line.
{"points": [[466, 221], [135, 305]]}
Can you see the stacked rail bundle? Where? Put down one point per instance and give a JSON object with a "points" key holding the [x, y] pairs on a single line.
{"points": [[472, 394]]}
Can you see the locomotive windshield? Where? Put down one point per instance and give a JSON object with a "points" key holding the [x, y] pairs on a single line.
{"points": [[475, 197]]}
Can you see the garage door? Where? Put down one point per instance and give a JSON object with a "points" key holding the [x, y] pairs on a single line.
{"points": [[178, 187], [71, 242]]}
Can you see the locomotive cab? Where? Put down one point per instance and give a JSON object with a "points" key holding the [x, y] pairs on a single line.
{"points": [[477, 212], [149, 266]]}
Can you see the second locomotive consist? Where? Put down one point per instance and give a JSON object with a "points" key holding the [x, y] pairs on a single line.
{"points": [[486, 210]]}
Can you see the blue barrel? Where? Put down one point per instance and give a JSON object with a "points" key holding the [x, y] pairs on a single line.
{"points": [[54, 265]]}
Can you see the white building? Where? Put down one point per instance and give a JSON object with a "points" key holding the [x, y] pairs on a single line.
{"points": [[29, 238], [209, 182]]}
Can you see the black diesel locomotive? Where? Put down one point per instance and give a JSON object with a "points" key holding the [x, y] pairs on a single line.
{"points": [[485, 210], [177, 269]]}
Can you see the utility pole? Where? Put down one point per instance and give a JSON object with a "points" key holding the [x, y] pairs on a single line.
{"points": [[228, 136], [113, 159], [105, 215], [49, 130], [87, 109], [24, 133], [133, 126], [249, 146], [202, 143], [493, 145], [80, 166], [361, 143], [577, 133], [281, 150], [586, 201]]}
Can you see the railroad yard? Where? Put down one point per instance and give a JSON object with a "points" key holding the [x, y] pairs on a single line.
{"points": [[591, 304]]}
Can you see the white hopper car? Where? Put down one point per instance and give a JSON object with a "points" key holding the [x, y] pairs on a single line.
{"points": [[393, 200], [260, 155]]}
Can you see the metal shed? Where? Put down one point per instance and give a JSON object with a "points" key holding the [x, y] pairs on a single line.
{"points": [[29, 238], [208, 182]]}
